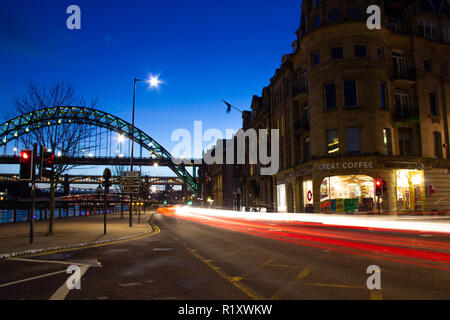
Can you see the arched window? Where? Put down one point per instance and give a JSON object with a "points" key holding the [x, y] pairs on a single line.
{"points": [[316, 22], [355, 13], [334, 15]]}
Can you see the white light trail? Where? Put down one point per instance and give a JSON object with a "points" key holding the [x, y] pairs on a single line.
{"points": [[380, 222]]}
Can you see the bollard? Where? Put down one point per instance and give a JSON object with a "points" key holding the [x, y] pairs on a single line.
{"points": [[15, 215]]}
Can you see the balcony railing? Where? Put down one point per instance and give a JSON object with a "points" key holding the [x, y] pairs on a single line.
{"points": [[301, 125], [408, 74], [406, 113], [299, 88]]}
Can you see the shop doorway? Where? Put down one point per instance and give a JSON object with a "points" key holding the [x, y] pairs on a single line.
{"points": [[281, 198], [409, 190], [347, 194], [308, 199]]}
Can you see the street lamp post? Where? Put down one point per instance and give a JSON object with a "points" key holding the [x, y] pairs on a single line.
{"points": [[153, 82]]}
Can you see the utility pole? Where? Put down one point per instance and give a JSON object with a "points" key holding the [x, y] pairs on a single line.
{"points": [[106, 184], [33, 192]]}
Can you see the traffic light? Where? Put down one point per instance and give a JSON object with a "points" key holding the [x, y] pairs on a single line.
{"points": [[46, 164], [26, 165], [380, 187]]}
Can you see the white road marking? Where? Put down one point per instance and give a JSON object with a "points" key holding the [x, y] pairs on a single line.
{"points": [[63, 291], [32, 278], [131, 284], [79, 263]]}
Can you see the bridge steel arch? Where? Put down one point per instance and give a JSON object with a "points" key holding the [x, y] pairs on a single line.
{"points": [[26, 123]]}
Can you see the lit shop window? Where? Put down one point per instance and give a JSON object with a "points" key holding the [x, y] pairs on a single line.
{"points": [[409, 190], [351, 193]]}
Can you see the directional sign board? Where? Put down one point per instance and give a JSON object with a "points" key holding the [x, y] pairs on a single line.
{"points": [[131, 181]]}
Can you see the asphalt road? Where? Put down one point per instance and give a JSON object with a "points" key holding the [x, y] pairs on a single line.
{"points": [[205, 260]]}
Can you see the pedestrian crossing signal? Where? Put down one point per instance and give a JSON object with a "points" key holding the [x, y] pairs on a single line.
{"points": [[46, 164], [26, 165]]}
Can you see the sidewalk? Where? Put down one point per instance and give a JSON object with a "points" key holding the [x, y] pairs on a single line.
{"points": [[69, 232]]}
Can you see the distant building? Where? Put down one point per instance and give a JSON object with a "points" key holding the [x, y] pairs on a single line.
{"points": [[217, 182], [355, 105]]}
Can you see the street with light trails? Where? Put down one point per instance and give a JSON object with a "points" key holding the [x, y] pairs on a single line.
{"points": [[195, 256]]}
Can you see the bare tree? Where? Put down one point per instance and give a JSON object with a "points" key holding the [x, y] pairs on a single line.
{"points": [[64, 138]]}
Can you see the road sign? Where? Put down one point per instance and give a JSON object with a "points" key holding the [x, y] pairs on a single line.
{"points": [[132, 189], [131, 181]]}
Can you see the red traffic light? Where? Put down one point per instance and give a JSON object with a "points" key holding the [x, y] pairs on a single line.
{"points": [[49, 157], [25, 155], [378, 183]]}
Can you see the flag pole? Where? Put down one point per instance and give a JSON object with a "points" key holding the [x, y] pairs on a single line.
{"points": [[231, 106]]}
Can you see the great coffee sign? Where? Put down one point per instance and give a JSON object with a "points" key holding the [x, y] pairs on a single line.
{"points": [[346, 165]]}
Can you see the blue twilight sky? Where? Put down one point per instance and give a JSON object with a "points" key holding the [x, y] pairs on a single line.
{"points": [[204, 51]]}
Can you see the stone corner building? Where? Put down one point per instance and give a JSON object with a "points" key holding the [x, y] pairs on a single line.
{"points": [[354, 106]]}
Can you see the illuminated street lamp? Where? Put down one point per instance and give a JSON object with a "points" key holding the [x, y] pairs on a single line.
{"points": [[153, 82]]}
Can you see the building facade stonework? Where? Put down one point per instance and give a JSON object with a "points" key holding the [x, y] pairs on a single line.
{"points": [[354, 106]]}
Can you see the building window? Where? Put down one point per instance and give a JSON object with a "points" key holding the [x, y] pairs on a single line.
{"points": [[307, 149], [316, 59], [387, 140], [444, 69], [332, 141], [360, 50], [353, 141], [428, 29], [316, 22], [355, 13], [437, 144], [405, 142], [383, 96], [380, 54], [428, 65], [446, 33], [306, 111], [395, 25], [350, 93], [434, 108], [337, 53], [399, 63], [402, 102], [334, 15], [330, 95]]}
